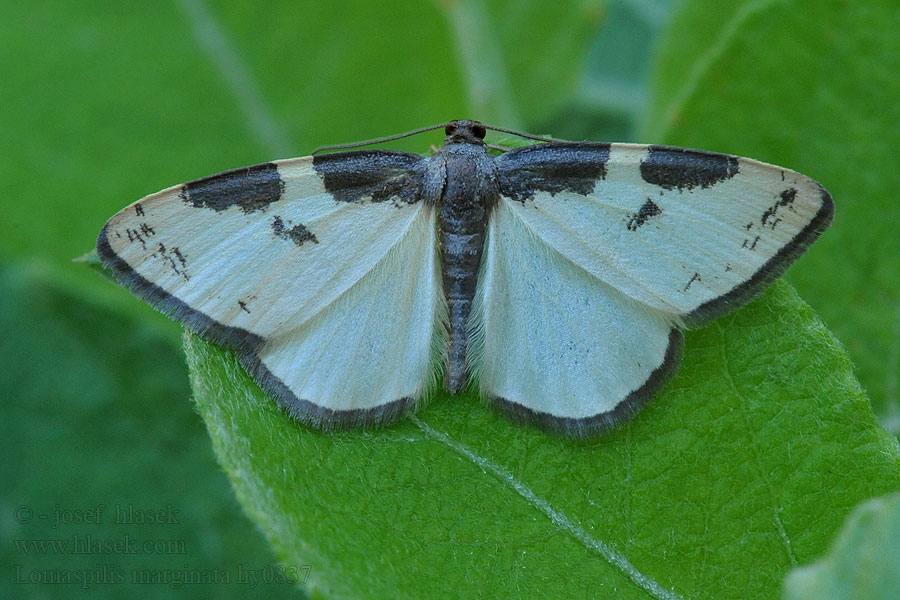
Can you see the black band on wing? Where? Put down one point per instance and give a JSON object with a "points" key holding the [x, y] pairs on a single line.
{"points": [[601, 422], [251, 189], [555, 167], [682, 168], [377, 175]]}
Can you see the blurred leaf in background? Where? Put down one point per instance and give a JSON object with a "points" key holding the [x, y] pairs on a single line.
{"points": [[96, 423], [743, 468], [863, 562]]}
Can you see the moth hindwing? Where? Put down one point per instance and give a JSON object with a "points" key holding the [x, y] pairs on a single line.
{"points": [[559, 276]]}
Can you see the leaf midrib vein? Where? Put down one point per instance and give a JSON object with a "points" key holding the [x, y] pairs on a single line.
{"points": [[610, 554]]}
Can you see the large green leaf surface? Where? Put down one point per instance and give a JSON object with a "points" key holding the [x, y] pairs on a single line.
{"points": [[741, 469], [730, 477]]}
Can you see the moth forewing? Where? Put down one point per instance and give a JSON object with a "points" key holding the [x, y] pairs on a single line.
{"points": [[267, 261], [687, 233], [786, 213]]}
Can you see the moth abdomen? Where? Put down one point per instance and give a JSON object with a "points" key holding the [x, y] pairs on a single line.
{"points": [[460, 258], [469, 195]]}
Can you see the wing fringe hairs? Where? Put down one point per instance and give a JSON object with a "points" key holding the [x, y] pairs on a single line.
{"points": [[558, 276]]}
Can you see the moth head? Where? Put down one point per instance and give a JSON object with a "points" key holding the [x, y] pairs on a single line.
{"points": [[465, 131]]}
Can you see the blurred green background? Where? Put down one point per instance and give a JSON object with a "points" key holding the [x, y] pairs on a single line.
{"points": [[102, 103]]}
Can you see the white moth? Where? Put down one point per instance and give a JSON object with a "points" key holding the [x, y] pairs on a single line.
{"points": [[559, 275]]}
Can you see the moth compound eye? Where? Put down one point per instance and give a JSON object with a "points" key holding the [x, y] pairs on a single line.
{"points": [[450, 130], [479, 131]]}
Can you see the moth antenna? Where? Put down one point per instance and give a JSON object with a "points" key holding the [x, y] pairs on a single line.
{"points": [[523, 135], [377, 140], [398, 136]]}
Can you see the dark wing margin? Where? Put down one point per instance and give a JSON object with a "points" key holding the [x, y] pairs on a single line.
{"points": [[311, 413], [603, 422], [203, 325], [769, 272]]}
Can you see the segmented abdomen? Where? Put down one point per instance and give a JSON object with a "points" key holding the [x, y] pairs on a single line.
{"points": [[462, 242]]}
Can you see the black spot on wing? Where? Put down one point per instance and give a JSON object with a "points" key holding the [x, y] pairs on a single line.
{"points": [[647, 210], [785, 199], [787, 196], [376, 175], [250, 188], [201, 324], [554, 167], [139, 234], [751, 245], [602, 422], [244, 304], [695, 277], [684, 169], [173, 259], [769, 272], [298, 234]]}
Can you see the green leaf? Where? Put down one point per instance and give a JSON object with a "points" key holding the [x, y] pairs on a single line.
{"points": [[811, 85], [739, 470], [863, 562]]}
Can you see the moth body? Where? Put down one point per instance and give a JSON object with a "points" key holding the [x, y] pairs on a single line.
{"points": [[469, 193]]}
